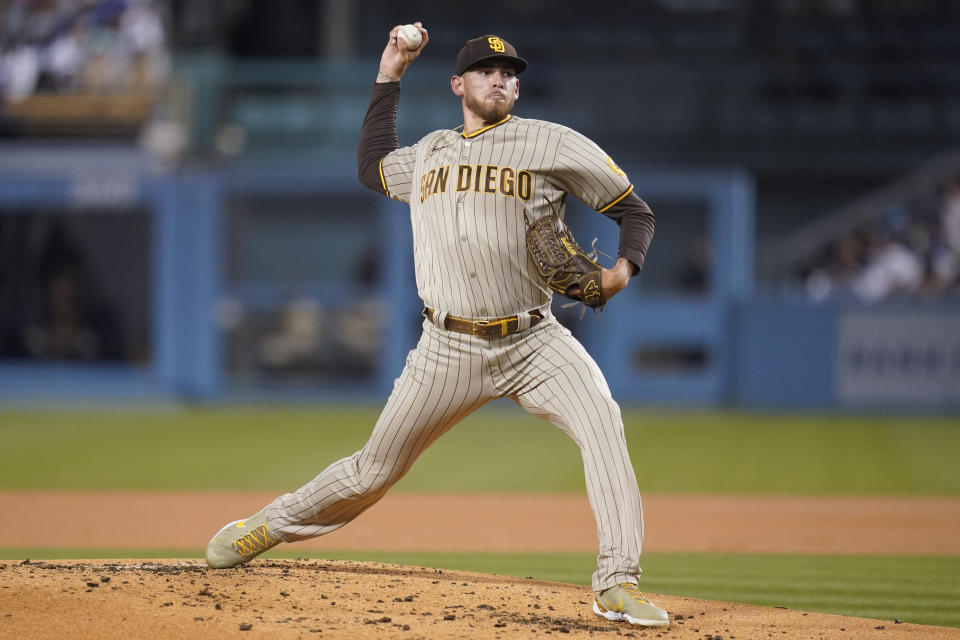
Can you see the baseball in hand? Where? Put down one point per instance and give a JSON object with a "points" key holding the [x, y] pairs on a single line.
{"points": [[411, 36]]}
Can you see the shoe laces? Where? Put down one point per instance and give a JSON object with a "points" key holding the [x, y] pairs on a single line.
{"points": [[254, 541], [633, 591]]}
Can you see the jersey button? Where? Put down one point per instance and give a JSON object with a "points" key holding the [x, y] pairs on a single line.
{"points": [[473, 275], [464, 238], [483, 311], [467, 144], [459, 205]]}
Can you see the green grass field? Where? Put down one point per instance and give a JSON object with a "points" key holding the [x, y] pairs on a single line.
{"points": [[273, 448], [499, 448]]}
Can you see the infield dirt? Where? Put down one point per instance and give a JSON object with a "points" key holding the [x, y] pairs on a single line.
{"points": [[498, 522], [320, 599]]}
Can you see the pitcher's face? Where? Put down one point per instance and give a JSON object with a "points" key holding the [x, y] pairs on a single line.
{"points": [[489, 90]]}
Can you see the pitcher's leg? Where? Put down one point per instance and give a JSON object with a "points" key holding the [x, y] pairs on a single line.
{"points": [[571, 393], [438, 388]]}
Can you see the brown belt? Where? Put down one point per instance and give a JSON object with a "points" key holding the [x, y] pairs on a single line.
{"points": [[496, 328]]}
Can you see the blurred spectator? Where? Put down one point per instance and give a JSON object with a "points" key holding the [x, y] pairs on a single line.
{"points": [[297, 339], [141, 33], [65, 58], [839, 268], [914, 251], [946, 258], [91, 46], [21, 68], [891, 268]]}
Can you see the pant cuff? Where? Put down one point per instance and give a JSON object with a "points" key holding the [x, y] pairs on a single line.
{"points": [[612, 581]]}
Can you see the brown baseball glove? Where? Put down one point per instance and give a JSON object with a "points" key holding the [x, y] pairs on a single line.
{"points": [[561, 263]]}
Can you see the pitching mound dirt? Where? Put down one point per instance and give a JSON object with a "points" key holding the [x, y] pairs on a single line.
{"points": [[318, 599]]}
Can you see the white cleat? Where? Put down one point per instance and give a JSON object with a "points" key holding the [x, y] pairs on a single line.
{"points": [[240, 541], [625, 602]]}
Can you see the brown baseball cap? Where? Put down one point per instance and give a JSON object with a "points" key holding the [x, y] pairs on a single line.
{"points": [[487, 48]]}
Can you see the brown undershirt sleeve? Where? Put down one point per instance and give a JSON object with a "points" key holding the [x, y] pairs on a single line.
{"points": [[636, 222], [378, 134]]}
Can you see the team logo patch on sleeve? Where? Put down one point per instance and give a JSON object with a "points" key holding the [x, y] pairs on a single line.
{"points": [[613, 166], [496, 44]]}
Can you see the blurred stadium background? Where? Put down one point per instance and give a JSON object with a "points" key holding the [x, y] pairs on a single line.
{"points": [[180, 217]]}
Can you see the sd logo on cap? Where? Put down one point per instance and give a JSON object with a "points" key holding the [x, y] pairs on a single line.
{"points": [[496, 44]]}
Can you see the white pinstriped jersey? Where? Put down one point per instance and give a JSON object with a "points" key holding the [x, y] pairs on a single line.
{"points": [[467, 194]]}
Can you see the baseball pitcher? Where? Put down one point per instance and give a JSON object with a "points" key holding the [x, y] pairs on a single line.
{"points": [[490, 249]]}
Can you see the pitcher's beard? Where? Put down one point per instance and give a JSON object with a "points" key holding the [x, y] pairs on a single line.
{"points": [[490, 113]]}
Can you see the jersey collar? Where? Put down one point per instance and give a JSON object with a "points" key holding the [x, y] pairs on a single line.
{"points": [[491, 126]]}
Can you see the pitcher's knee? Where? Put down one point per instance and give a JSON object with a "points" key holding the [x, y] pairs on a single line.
{"points": [[359, 480], [372, 485], [376, 480]]}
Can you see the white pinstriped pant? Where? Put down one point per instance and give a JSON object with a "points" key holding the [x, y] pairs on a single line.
{"points": [[448, 376]]}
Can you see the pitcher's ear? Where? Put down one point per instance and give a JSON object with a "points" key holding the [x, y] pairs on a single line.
{"points": [[456, 85]]}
